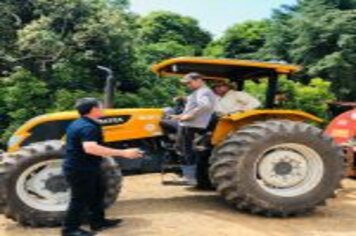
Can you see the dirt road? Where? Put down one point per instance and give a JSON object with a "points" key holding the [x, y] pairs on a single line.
{"points": [[152, 209]]}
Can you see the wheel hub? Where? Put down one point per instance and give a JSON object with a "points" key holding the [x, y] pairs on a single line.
{"points": [[43, 187], [289, 169], [57, 184], [283, 168]]}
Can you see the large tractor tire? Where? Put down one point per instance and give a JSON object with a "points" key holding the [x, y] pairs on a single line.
{"points": [[37, 193], [277, 168]]}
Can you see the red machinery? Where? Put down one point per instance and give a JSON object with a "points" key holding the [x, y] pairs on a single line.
{"points": [[343, 130]]}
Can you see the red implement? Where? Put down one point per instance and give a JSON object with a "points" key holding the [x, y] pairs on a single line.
{"points": [[343, 130]]}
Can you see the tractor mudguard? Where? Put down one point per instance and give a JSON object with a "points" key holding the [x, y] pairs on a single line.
{"points": [[235, 121]]}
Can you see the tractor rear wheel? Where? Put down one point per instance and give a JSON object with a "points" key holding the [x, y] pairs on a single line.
{"points": [[37, 193], [277, 168]]}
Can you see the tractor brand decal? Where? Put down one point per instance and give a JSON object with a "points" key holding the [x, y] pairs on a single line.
{"points": [[116, 120]]}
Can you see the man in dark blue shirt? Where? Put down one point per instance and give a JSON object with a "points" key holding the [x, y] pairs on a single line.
{"points": [[82, 130], [82, 168]]}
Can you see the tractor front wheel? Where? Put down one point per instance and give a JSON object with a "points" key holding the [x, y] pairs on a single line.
{"points": [[277, 168], [36, 191]]}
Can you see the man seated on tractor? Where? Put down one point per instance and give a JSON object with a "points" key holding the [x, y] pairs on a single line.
{"points": [[231, 101], [195, 118]]}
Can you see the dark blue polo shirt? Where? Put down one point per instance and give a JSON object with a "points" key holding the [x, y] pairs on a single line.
{"points": [[79, 131]]}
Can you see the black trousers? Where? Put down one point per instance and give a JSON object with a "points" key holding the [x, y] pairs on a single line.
{"points": [[185, 144], [87, 198]]}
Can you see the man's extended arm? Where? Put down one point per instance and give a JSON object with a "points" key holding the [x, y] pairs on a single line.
{"points": [[96, 149]]}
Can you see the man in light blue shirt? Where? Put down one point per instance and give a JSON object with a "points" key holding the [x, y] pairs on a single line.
{"points": [[194, 120]]}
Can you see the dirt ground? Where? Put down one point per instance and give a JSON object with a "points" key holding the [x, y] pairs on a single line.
{"points": [[152, 209]]}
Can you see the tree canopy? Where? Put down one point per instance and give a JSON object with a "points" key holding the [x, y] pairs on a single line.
{"points": [[242, 41], [321, 36], [163, 27]]}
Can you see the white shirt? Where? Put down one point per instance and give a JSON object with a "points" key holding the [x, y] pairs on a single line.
{"points": [[200, 105], [235, 101]]}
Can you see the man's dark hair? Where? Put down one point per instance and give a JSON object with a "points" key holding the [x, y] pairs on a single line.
{"points": [[85, 105]]}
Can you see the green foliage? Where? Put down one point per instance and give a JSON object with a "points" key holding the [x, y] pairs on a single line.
{"points": [[36, 39], [156, 52], [64, 99], [80, 34], [155, 92], [311, 97], [321, 35], [59, 45], [257, 89], [318, 34], [162, 26], [243, 40], [121, 4], [327, 47], [162, 35], [23, 96]]}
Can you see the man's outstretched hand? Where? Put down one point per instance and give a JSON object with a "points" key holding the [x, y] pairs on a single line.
{"points": [[98, 150], [132, 153]]}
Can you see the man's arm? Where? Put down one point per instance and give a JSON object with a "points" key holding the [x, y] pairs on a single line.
{"points": [[94, 148]]}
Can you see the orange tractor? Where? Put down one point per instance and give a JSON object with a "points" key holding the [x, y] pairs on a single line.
{"points": [[269, 161]]}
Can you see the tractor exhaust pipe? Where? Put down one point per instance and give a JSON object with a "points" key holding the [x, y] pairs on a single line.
{"points": [[110, 85]]}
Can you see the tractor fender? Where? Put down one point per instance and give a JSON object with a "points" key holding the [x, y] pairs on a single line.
{"points": [[233, 122]]}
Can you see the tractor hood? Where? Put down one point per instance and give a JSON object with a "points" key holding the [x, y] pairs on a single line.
{"points": [[117, 124]]}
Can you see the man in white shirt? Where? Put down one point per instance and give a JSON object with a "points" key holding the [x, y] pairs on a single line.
{"points": [[231, 101], [194, 119]]}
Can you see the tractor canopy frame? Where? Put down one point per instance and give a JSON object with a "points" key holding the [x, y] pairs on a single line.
{"points": [[236, 70]]}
